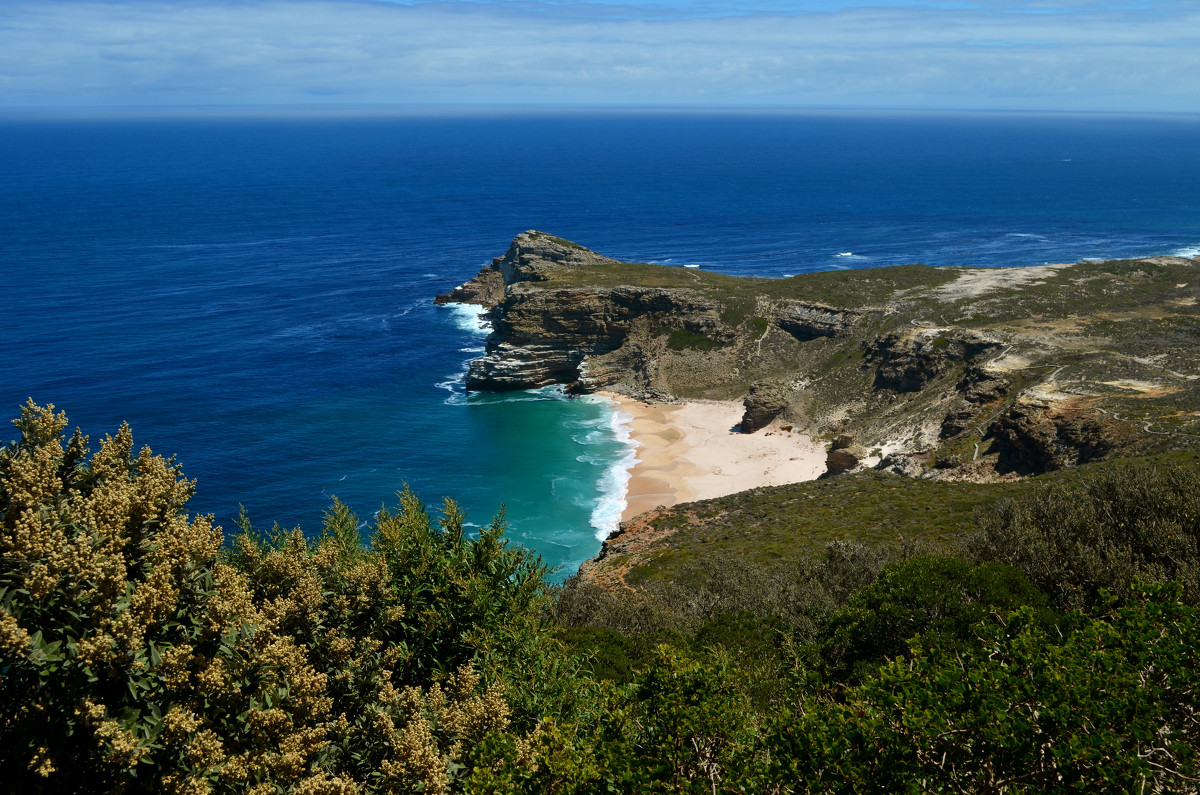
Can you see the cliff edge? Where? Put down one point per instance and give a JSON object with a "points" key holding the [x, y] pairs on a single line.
{"points": [[955, 373]]}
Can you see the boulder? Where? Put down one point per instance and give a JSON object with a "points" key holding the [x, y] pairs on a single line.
{"points": [[844, 455], [766, 401], [902, 465]]}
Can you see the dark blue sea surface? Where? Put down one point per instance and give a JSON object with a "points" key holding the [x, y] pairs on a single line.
{"points": [[255, 295]]}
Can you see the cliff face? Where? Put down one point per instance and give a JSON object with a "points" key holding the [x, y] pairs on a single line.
{"points": [[531, 257], [957, 372], [587, 338]]}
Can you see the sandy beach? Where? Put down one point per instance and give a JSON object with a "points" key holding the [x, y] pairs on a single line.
{"points": [[690, 451]]}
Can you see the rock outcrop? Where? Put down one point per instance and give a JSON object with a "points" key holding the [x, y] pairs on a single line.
{"points": [[957, 367], [552, 324], [1038, 436], [766, 401], [907, 361], [531, 257], [808, 321], [547, 336], [486, 290], [981, 391], [845, 454], [900, 464]]}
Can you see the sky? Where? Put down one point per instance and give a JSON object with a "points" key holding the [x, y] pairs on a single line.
{"points": [[1072, 55]]}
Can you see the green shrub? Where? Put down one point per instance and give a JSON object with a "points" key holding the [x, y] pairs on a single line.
{"points": [[683, 726], [1105, 704], [137, 656], [930, 598], [682, 339], [1132, 521]]}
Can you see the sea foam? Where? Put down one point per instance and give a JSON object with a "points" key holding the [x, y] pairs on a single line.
{"points": [[613, 485], [469, 317]]}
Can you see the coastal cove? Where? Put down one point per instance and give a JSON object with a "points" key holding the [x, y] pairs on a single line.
{"points": [[1025, 380], [255, 294], [693, 450]]}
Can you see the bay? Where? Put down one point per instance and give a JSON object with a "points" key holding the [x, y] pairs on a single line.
{"points": [[255, 294]]}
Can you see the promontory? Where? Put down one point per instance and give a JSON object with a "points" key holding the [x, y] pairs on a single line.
{"points": [[947, 373]]}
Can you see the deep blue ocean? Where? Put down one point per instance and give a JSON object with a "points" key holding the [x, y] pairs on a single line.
{"points": [[255, 295]]}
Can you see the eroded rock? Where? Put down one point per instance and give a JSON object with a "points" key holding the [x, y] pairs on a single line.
{"points": [[903, 465], [766, 401], [486, 289], [907, 361], [1037, 436], [981, 392], [808, 321], [844, 455]]}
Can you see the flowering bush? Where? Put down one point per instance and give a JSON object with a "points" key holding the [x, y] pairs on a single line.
{"points": [[136, 654]]}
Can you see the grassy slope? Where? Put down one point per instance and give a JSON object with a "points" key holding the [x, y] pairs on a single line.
{"points": [[777, 527], [1116, 339], [1106, 324]]}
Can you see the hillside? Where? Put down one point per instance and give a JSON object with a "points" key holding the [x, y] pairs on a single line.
{"points": [[972, 372]]}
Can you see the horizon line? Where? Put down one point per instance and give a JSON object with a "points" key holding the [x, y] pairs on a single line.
{"points": [[417, 110]]}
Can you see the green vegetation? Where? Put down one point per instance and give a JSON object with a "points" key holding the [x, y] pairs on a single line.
{"points": [[838, 288], [1079, 537], [937, 597], [140, 654], [555, 239], [1029, 640], [683, 339]]}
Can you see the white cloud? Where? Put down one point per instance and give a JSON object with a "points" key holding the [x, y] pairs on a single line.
{"points": [[1088, 56]]}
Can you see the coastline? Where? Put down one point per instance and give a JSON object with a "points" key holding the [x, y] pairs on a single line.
{"points": [[690, 451]]}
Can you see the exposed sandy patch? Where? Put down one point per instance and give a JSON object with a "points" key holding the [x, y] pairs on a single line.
{"points": [[1168, 260], [689, 451], [974, 282], [1144, 388], [1008, 363], [1047, 392]]}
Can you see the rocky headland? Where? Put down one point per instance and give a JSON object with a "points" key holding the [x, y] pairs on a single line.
{"points": [[953, 373]]}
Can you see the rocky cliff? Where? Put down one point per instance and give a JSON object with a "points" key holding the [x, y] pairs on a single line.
{"points": [[946, 372]]}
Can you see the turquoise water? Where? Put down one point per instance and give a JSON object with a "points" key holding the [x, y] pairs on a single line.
{"points": [[563, 458], [256, 295]]}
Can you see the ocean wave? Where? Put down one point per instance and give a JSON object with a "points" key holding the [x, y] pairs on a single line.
{"points": [[589, 458], [613, 485], [554, 392], [232, 244], [599, 436], [468, 317], [1189, 252], [454, 385]]}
